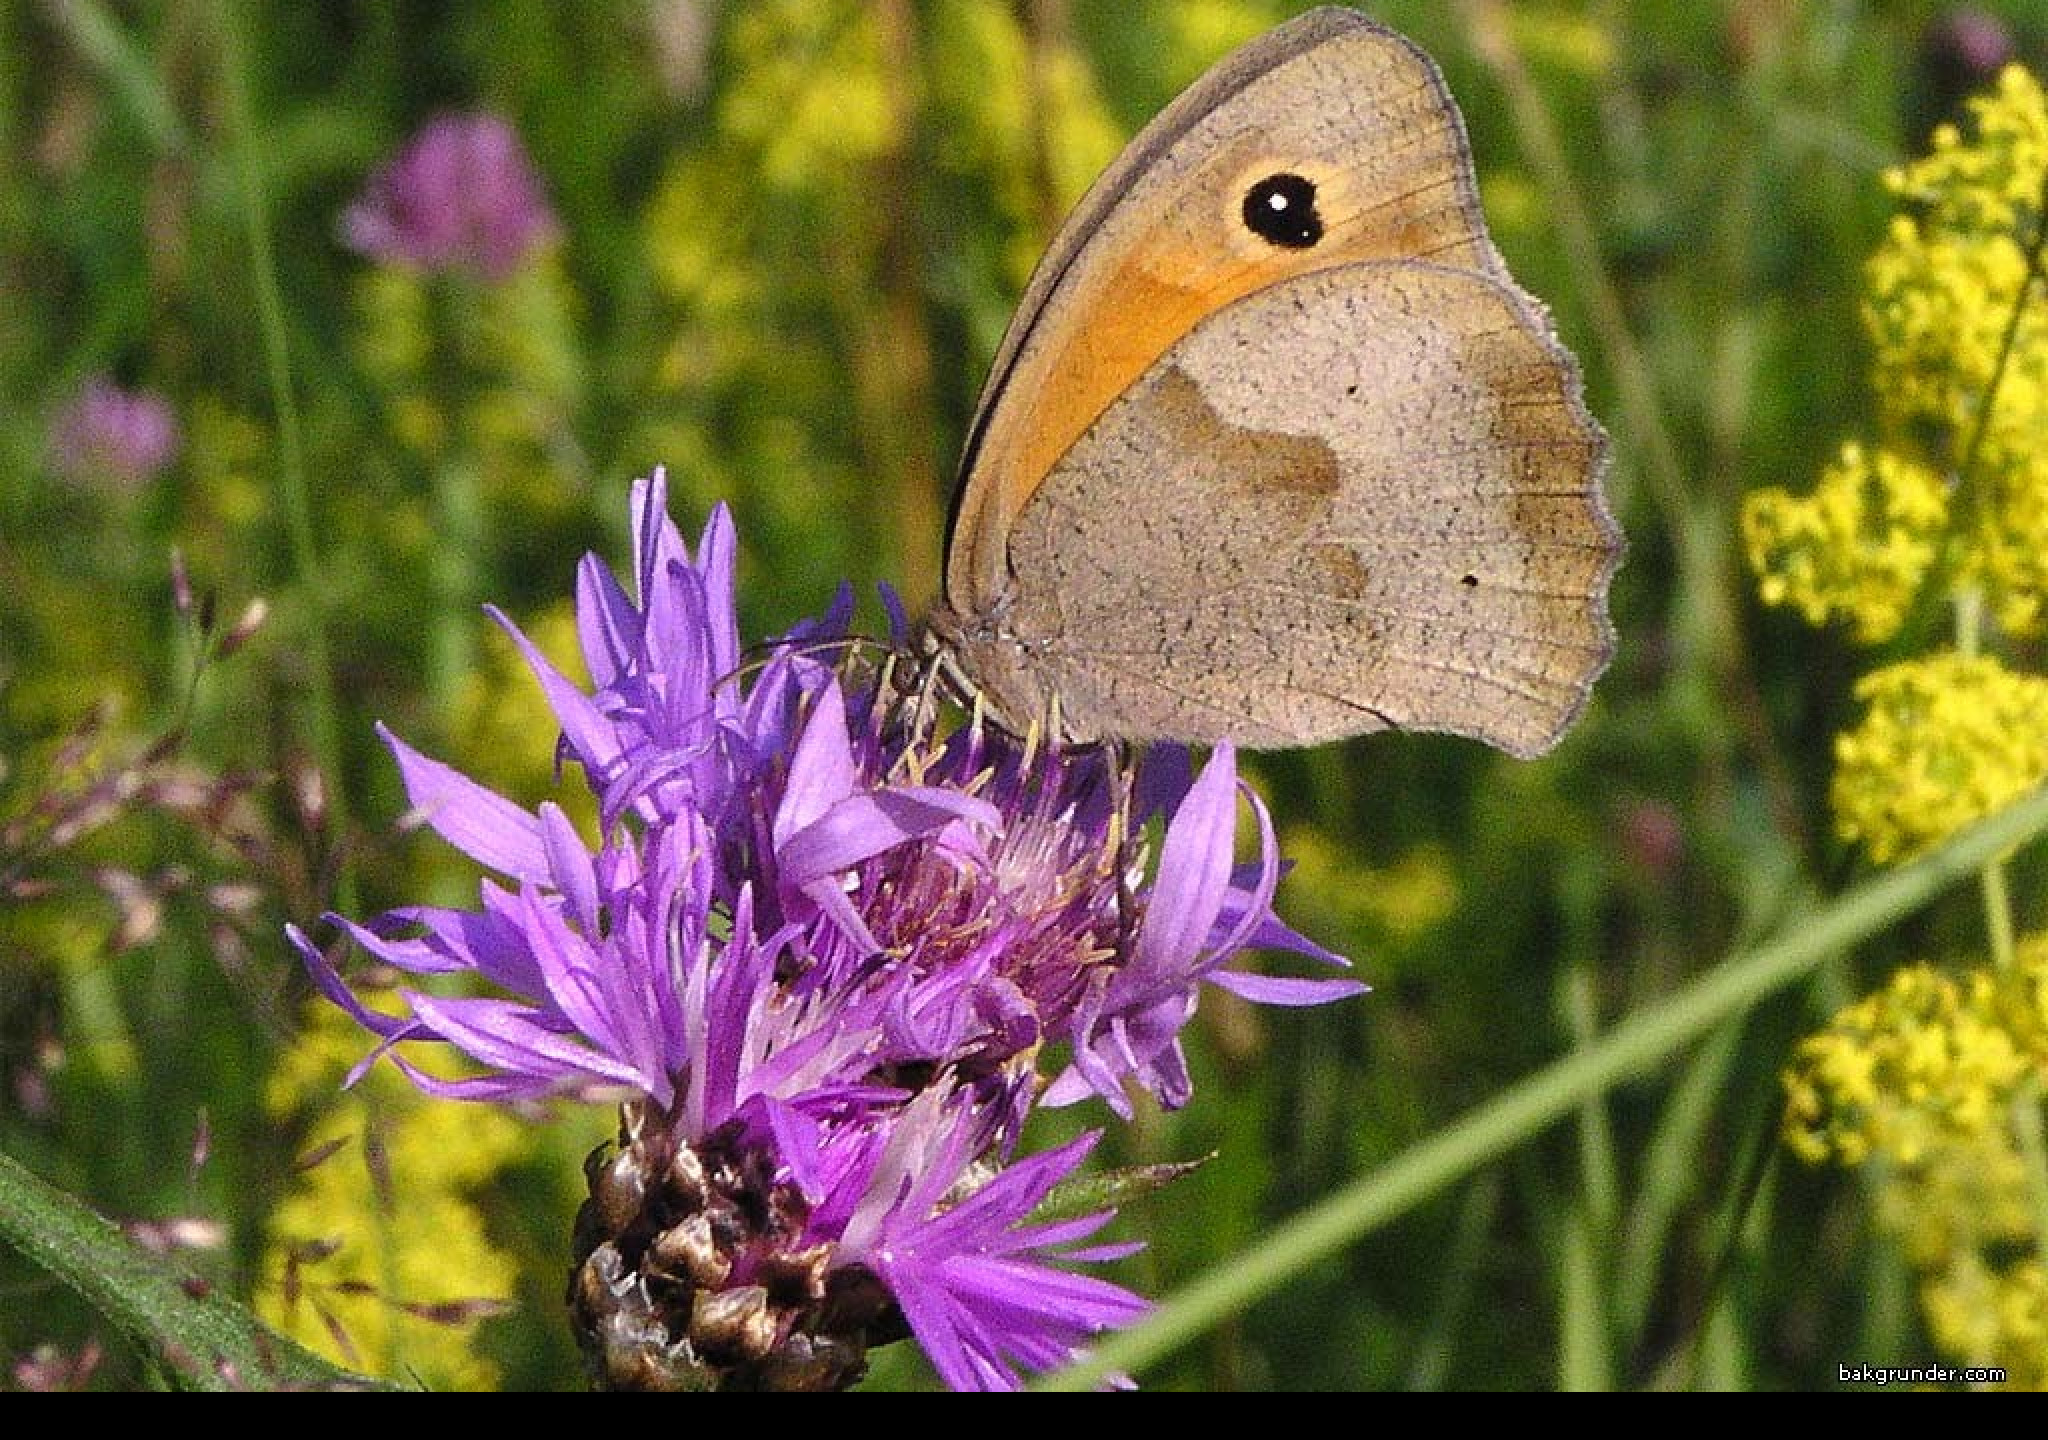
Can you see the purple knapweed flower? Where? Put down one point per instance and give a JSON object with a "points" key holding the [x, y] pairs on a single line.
{"points": [[829, 961], [462, 195], [111, 435]]}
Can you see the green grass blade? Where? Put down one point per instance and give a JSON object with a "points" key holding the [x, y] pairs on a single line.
{"points": [[130, 73], [294, 489], [1669, 1178], [201, 1340]]}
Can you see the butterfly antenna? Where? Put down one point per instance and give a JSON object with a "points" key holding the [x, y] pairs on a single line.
{"points": [[918, 699], [761, 652]]}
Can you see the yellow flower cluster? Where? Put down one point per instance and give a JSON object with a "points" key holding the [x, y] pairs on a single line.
{"points": [[1945, 740], [1943, 291], [369, 1301], [1922, 1077], [1968, 1227], [1992, 184], [1929, 1061], [1857, 548], [1960, 368]]}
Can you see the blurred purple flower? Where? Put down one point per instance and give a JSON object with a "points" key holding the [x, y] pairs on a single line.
{"points": [[462, 195], [1961, 51], [113, 435], [821, 954], [1972, 40]]}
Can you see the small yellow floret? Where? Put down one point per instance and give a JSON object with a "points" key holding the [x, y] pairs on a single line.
{"points": [[1857, 548], [1944, 741]]}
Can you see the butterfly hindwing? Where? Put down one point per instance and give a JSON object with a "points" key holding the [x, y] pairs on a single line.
{"points": [[1281, 533]]}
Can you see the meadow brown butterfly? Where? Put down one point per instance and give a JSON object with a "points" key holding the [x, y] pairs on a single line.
{"points": [[1275, 450]]}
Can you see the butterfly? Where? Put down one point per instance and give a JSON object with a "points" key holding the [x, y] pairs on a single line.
{"points": [[1275, 450]]}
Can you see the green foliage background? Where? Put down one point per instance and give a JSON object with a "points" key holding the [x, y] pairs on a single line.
{"points": [[793, 230]]}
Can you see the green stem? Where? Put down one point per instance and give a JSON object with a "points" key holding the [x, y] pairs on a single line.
{"points": [[1533, 1105], [459, 537], [293, 487], [1969, 603], [131, 74], [2036, 248], [1457, 1278], [1667, 1181], [2028, 1132], [200, 1339], [1582, 1360], [456, 489], [1998, 914], [1999, 929], [2026, 1101]]}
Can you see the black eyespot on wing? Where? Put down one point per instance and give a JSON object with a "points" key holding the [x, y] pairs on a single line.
{"points": [[1281, 209]]}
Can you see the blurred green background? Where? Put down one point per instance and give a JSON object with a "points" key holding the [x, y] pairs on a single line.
{"points": [[790, 235]]}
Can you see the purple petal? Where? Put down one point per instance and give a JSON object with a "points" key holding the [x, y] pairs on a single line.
{"points": [[329, 983], [569, 867], [607, 625], [717, 549], [821, 772], [584, 726], [1270, 932], [506, 1037], [1194, 870], [1280, 990], [863, 826], [481, 823]]}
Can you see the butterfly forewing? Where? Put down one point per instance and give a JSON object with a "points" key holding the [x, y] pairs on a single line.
{"points": [[1346, 108]]}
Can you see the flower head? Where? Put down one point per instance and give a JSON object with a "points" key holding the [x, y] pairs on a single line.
{"points": [[462, 195], [1858, 547], [1950, 490], [125, 437], [1964, 47], [1929, 1060], [1924, 1078], [1944, 741], [824, 956]]}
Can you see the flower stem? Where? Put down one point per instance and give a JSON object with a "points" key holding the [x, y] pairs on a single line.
{"points": [[2027, 1127], [291, 466], [1998, 915], [455, 488], [130, 76], [2037, 246]]}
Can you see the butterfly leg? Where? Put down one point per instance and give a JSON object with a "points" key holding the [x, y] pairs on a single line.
{"points": [[1121, 776]]}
